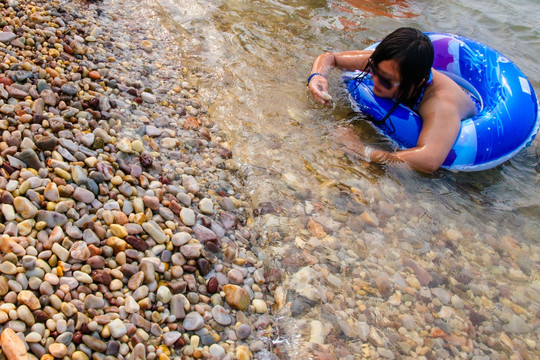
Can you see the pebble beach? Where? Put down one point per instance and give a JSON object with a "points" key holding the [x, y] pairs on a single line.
{"points": [[129, 231], [124, 234]]}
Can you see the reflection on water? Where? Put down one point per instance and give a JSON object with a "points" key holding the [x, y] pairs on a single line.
{"points": [[389, 8], [375, 261]]}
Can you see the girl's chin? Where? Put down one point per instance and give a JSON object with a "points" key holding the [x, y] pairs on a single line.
{"points": [[380, 92], [377, 91]]}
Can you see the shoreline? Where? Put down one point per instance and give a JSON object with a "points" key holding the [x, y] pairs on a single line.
{"points": [[124, 226]]}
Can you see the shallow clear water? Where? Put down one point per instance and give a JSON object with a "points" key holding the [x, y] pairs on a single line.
{"points": [[255, 56], [252, 59]]}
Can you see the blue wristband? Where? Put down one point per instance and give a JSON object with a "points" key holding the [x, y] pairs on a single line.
{"points": [[311, 76]]}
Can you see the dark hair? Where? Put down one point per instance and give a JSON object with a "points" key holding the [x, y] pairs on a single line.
{"points": [[413, 51]]}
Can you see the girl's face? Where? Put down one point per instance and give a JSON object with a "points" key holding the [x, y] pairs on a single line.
{"points": [[386, 78]]}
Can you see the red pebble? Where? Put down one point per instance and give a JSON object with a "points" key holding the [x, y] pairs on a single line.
{"points": [[212, 286], [94, 75], [5, 80]]}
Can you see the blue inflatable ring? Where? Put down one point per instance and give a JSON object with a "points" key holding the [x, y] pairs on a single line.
{"points": [[507, 119]]}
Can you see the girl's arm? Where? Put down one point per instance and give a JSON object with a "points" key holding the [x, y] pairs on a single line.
{"points": [[324, 63]]}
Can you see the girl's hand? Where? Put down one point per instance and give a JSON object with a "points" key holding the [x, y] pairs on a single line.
{"points": [[318, 86]]}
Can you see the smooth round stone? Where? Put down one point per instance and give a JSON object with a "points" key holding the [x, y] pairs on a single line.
{"points": [[164, 294], [34, 283], [90, 237], [217, 350], [65, 338], [60, 251], [119, 230], [151, 202], [9, 212], [206, 206], [83, 195], [79, 175], [168, 143], [116, 180], [207, 339], [166, 256], [191, 251], [94, 343], [203, 234], [82, 277], [79, 355], [139, 352], [8, 268], [117, 328], [236, 297], [135, 281], [51, 278], [169, 338], [6, 109], [15, 286], [137, 146], [152, 131], [220, 315], [88, 139], [25, 227], [126, 189], [190, 184], [124, 145], [187, 216], [193, 297], [148, 97], [17, 325], [140, 293], [58, 350], [108, 217], [227, 203], [260, 306], [47, 142], [193, 321], [235, 276], [79, 251], [184, 198], [93, 302], [68, 309], [96, 262], [33, 337], [166, 213], [46, 289], [131, 306], [116, 284], [24, 207], [180, 238], [12, 185], [177, 306], [39, 328], [216, 299], [243, 331], [155, 231], [69, 89], [24, 314], [13, 346], [113, 348]]}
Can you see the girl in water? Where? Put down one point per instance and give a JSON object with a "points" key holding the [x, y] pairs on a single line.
{"points": [[401, 68]]}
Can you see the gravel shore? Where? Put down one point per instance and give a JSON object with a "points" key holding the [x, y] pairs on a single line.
{"points": [[124, 230]]}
